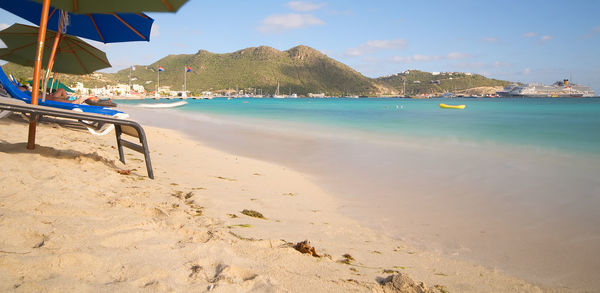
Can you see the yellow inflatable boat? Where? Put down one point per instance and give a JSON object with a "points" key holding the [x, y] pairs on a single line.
{"points": [[452, 106]]}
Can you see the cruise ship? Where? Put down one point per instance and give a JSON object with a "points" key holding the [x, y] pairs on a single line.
{"points": [[559, 89]]}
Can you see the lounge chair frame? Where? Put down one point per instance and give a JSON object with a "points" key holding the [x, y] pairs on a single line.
{"points": [[122, 126]]}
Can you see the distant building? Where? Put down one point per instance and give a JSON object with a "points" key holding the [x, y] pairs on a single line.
{"points": [[79, 88], [435, 73], [138, 88], [311, 95], [100, 92], [119, 89]]}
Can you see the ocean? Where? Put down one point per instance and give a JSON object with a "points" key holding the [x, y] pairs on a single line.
{"points": [[560, 123], [511, 184]]}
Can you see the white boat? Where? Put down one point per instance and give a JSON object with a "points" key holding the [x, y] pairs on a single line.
{"points": [[277, 95], [559, 89], [163, 105]]}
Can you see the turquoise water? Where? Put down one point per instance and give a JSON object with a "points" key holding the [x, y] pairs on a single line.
{"points": [[569, 124]]}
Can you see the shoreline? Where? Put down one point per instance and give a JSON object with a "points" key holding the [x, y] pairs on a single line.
{"points": [[82, 225], [464, 221]]}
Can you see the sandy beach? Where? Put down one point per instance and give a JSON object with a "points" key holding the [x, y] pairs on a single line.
{"points": [[70, 221]]}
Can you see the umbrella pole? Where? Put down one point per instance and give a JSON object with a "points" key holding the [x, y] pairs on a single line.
{"points": [[36, 72], [53, 81], [51, 60]]}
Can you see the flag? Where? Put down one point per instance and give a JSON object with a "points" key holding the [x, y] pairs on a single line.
{"points": [[160, 68], [188, 69]]}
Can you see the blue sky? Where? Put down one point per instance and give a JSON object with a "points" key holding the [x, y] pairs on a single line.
{"points": [[528, 40]]}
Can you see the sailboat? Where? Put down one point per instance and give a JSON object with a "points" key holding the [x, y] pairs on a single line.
{"points": [[277, 95], [292, 95]]}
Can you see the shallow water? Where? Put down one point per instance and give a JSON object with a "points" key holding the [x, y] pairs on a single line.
{"points": [[564, 123], [510, 184]]}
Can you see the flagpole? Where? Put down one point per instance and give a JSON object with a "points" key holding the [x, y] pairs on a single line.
{"points": [[130, 78], [185, 80], [157, 81]]}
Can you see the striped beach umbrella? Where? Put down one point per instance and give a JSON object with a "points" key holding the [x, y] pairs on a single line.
{"points": [[101, 27], [109, 6], [73, 55]]}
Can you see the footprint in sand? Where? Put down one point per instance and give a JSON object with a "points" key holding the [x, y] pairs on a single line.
{"points": [[241, 280]]}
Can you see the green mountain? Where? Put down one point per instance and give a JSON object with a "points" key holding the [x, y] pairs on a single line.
{"points": [[419, 82], [300, 70]]}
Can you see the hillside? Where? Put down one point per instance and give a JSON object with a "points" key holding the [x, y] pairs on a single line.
{"points": [[300, 70], [420, 82]]}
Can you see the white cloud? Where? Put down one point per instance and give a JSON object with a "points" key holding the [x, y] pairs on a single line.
{"points": [[425, 58], [546, 38], [471, 65], [490, 39], [526, 71], [529, 34], [386, 44], [402, 59], [428, 58], [155, 32], [595, 31], [302, 6], [415, 58], [376, 45], [283, 22], [457, 55], [354, 52], [502, 64]]}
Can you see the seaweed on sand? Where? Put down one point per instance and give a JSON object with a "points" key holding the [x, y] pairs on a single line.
{"points": [[347, 259], [242, 225], [304, 247], [253, 213]]}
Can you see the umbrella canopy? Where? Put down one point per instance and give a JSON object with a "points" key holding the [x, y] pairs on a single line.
{"points": [[52, 84], [74, 56], [102, 27], [108, 6]]}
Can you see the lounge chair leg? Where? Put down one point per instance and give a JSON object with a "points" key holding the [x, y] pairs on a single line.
{"points": [[142, 137], [119, 144]]}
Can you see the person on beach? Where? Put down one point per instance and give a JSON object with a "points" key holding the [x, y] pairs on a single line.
{"points": [[60, 95]]}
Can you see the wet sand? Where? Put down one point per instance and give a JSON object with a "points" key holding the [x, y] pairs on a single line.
{"points": [[531, 213]]}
